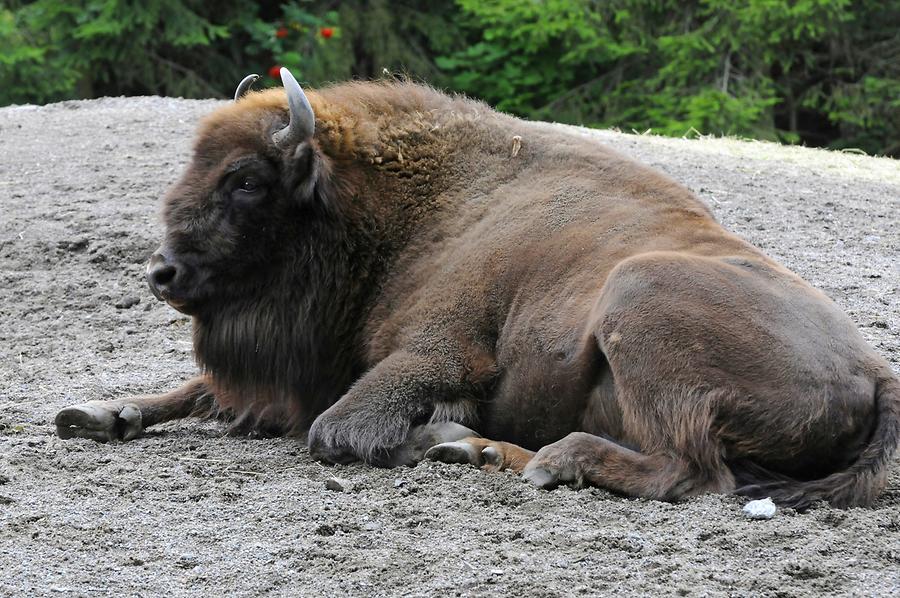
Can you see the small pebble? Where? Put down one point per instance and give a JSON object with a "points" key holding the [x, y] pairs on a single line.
{"points": [[127, 302], [760, 509], [398, 483], [325, 530], [187, 561], [337, 484]]}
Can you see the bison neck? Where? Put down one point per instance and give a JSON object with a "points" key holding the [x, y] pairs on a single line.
{"points": [[275, 361]]}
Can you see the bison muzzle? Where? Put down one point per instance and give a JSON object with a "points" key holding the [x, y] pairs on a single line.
{"points": [[384, 268]]}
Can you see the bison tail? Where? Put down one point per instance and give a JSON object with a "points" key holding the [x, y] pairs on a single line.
{"points": [[858, 485]]}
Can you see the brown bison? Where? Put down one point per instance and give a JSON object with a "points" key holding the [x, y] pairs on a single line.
{"points": [[384, 267]]}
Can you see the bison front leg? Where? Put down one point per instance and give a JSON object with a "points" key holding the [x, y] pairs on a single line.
{"points": [[376, 420], [124, 419]]}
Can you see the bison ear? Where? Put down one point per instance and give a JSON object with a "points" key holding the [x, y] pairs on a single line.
{"points": [[303, 121]]}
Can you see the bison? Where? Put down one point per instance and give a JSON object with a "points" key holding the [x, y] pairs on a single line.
{"points": [[383, 267]]}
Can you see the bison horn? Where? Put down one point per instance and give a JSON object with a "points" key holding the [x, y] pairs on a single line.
{"points": [[303, 121], [244, 86]]}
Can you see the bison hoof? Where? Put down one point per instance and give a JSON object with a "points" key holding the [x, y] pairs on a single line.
{"points": [[549, 469], [423, 438], [100, 421], [542, 478], [419, 441], [491, 456], [467, 453], [332, 455], [454, 452]]}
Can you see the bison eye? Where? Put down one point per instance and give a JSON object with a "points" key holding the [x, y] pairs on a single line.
{"points": [[248, 188], [249, 185]]}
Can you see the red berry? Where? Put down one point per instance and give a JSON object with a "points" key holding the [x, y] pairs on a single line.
{"points": [[281, 32], [275, 71], [326, 32]]}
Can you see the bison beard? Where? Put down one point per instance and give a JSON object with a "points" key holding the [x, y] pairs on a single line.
{"points": [[386, 267]]}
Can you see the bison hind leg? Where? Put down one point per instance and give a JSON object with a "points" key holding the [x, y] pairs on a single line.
{"points": [[584, 459]]}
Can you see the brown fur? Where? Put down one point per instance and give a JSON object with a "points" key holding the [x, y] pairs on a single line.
{"points": [[417, 262]]}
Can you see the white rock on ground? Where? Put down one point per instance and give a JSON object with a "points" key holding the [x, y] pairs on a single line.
{"points": [[760, 509]]}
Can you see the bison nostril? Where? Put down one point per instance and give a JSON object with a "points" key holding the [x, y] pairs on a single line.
{"points": [[163, 274]]}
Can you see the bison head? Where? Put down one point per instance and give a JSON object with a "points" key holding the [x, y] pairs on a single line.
{"points": [[255, 172]]}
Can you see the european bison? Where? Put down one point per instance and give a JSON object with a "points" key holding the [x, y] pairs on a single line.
{"points": [[381, 260]]}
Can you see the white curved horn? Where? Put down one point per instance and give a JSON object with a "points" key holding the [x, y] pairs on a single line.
{"points": [[303, 121], [244, 86]]}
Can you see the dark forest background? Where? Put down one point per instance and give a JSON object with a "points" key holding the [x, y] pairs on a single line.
{"points": [[818, 72]]}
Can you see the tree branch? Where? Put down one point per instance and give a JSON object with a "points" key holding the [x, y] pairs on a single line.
{"points": [[186, 71]]}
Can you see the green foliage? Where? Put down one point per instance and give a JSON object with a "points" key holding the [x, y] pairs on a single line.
{"points": [[58, 49], [294, 41], [55, 50], [822, 72]]}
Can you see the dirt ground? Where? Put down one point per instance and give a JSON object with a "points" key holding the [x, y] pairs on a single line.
{"points": [[185, 510]]}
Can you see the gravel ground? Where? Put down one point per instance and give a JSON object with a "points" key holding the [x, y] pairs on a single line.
{"points": [[187, 511]]}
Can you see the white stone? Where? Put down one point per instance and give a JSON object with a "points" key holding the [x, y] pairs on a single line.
{"points": [[760, 509]]}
